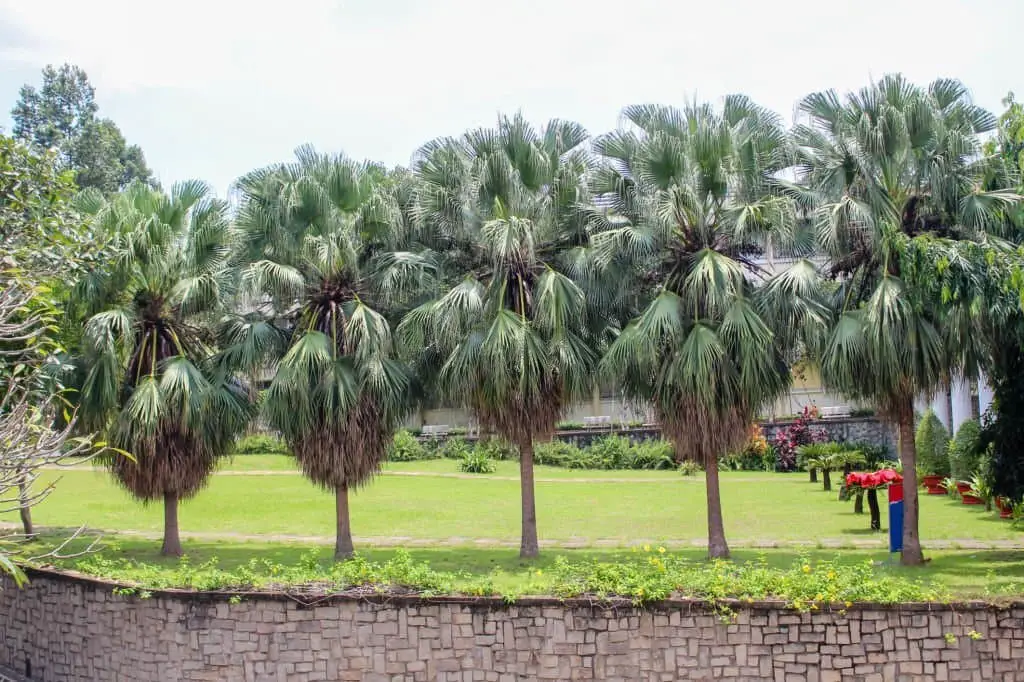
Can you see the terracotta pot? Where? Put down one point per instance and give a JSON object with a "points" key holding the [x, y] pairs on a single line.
{"points": [[1005, 508], [963, 488], [968, 498], [933, 484]]}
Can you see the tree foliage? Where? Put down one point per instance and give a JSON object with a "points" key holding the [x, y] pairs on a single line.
{"points": [[62, 115], [513, 337], [153, 379], [325, 273]]}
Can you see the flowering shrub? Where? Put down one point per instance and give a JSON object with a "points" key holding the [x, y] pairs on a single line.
{"points": [[800, 432], [756, 455]]}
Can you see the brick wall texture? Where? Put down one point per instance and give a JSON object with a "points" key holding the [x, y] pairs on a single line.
{"points": [[70, 629]]}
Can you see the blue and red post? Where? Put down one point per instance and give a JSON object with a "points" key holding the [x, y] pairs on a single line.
{"points": [[895, 517]]}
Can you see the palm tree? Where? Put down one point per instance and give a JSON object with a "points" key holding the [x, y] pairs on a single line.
{"points": [[153, 379], [513, 337], [689, 198], [882, 167], [325, 274]]}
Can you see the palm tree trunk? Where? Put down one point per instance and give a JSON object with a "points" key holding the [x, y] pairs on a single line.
{"points": [[858, 501], [172, 542], [876, 515], [912, 554], [813, 474], [343, 548], [717, 547], [826, 478], [529, 548]]}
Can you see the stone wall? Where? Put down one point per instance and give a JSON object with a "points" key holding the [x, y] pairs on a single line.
{"points": [[845, 430], [66, 628]]}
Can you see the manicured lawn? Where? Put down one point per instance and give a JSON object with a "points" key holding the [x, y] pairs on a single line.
{"points": [[631, 507]]}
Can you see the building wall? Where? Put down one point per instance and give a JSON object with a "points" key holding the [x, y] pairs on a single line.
{"points": [[71, 629]]}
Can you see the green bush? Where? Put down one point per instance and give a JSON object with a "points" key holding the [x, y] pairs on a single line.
{"points": [[877, 456], [689, 468], [558, 453], [611, 452], [261, 445], [454, 448], [497, 448], [964, 451], [932, 440], [652, 454], [405, 447], [476, 461]]}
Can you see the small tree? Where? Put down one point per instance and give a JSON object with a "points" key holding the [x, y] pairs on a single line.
{"points": [[932, 441], [965, 452]]}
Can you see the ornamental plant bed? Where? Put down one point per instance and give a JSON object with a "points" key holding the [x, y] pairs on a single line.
{"points": [[1005, 508]]}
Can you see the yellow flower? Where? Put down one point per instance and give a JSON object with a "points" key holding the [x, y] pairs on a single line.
{"points": [[849, 604], [814, 607], [831, 575], [819, 597], [647, 548], [540, 572], [807, 568], [661, 550]]}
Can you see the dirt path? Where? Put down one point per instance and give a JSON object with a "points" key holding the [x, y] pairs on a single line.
{"points": [[575, 543]]}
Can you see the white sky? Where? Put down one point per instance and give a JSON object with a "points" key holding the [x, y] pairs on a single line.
{"points": [[212, 89]]}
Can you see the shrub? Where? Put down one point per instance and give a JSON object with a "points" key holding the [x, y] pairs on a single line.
{"points": [[757, 454], [454, 448], [932, 440], [260, 444], [405, 447], [497, 448], [611, 452], [689, 468], [876, 456], [652, 454], [965, 452], [800, 432], [476, 461], [559, 454]]}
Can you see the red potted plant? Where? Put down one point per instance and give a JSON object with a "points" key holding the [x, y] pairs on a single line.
{"points": [[1005, 507], [933, 484]]}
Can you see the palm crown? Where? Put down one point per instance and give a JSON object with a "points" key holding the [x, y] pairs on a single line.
{"points": [[153, 380], [322, 235], [512, 336]]}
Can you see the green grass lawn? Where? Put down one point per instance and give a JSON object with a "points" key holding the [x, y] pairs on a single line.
{"points": [[469, 518], [656, 506]]}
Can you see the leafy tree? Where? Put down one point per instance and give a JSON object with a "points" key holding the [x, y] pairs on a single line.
{"points": [[1009, 140], [932, 443], [322, 241], [513, 338], [690, 196], [882, 167], [62, 115], [153, 380], [37, 224], [964, 452]]}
